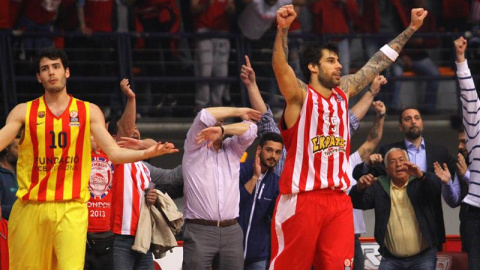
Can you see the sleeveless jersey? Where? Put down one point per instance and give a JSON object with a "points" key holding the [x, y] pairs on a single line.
{"points": [[99, 186], [318, 145], [130, 182], [54, 155]]}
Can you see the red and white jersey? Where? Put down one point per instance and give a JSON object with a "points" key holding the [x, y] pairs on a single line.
{"points": [[130, 182], [99, 186], [318, 145]]}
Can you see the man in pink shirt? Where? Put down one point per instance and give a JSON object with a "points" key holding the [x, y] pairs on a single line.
{"points": [[211, 166]]}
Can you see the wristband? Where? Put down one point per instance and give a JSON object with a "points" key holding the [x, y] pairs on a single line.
{"points": [[223, 130], [389, 52]]}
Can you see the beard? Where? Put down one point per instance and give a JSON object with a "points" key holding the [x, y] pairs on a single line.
{"points": [[12, 159], [327, 82], [464, 153], [266, 164], [412, 134]]}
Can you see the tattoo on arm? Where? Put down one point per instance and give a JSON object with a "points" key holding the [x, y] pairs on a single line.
{"points": [[302, 85], [285, 42], [398, 42], [375, 65], [365, 152], [373, 134]]}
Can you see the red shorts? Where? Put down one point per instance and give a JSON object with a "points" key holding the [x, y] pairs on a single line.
{"points": [[313, 228]]}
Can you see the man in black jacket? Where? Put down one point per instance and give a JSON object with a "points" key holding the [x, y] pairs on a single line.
{"points": [[404, 211], [420, 152]]}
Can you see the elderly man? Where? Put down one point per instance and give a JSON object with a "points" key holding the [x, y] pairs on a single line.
{"points": [[404, 211]]}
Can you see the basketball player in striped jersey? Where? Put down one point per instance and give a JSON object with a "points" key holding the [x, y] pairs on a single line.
{"points": [[313, 221], [48, 222]]}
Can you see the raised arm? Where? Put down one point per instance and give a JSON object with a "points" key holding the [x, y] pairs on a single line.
{"points": [[221, 113], [361, 107], [248, 77], [212, 134], [353, 84], [376, 132], [15, 122], [126, 123], [292, 89], [114, 152]]}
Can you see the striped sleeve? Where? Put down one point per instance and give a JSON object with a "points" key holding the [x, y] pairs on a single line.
{"points": [[471, 119]]}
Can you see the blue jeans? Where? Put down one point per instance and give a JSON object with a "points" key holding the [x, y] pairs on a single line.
{"points": [[426, 260], [124, 258], [472, 235], [260, 265]]}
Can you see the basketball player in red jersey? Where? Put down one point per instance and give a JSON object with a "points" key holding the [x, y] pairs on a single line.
{"points": [[313, 221], [48, 222]]}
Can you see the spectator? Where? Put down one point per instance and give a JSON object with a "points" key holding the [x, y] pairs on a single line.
{"points": [[8, 177], [258, 194], [96, 17], [464, 173], [255, 22], [417, 59], [335, 17], [404, 212], [100, 238], [37, 18], [211, 52], [385, 17], [131, 181], [161, 52], [470, 107], [211, 168], [424, 154]]}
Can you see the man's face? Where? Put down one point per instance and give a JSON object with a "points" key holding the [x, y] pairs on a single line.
{"points": [[12, 154], [53, 76], [329, 69], [395, 165], [462, 144], [136, 133], [412, 124], [270, 153]]}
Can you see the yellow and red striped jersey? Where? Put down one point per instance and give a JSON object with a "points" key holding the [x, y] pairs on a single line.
{"points": [[54, 156]]}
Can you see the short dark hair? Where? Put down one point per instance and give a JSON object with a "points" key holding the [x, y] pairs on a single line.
{"points": [[403, 109], [312, 53], [461, 129], [270, 136], [52, 54], [112, 126]]}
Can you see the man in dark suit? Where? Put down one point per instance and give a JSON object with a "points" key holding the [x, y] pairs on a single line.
{"points": [[420, 152]]}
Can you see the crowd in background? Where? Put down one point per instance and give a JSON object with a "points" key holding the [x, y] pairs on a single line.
{"points": [[84, 28]]}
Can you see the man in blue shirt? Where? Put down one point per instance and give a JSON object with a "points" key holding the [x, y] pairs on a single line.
{"points": [[258, 193]]}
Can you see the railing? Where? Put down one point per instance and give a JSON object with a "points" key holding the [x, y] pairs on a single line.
{"points": [[163, 76]]}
